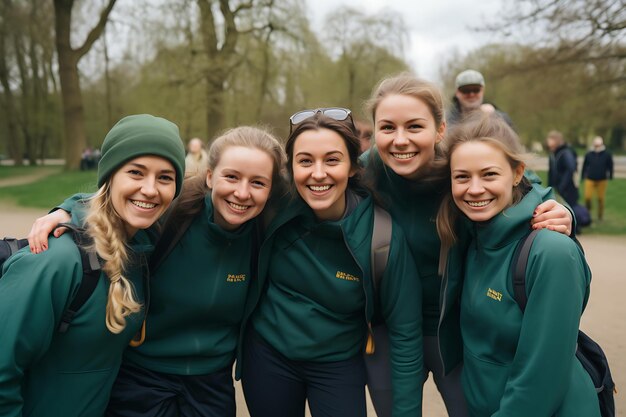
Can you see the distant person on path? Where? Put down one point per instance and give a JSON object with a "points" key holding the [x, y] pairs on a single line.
{"points": [[597, 170], [562, 167], [197, 159], [469, 96]]}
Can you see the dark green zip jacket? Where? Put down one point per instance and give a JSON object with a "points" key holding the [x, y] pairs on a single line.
{"points": [[197, 298], [47, 373], [520, 364], [317, 302]]}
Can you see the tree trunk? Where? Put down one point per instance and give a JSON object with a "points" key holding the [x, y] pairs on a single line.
{"points": [[14, 147], [215, 106], [73, 112]]}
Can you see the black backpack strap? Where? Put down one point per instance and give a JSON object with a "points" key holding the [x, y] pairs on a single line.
{"points": [[15, 244], [519, 264], [167, 241], [381, 240], [91, 274]]}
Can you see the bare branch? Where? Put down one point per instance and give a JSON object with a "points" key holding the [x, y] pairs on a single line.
{"points": [[95, 33]]}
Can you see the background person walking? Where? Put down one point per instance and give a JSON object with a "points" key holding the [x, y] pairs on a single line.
{"points": [[597, 170]]}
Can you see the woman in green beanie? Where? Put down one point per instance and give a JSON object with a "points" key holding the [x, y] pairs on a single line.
{"points": [[44, 371], [200, 283]]}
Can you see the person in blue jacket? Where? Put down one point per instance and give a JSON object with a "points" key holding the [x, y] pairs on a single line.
{"points": [[199, 287], [310, 311], [514, 363], [404, 167], [46, 372]]}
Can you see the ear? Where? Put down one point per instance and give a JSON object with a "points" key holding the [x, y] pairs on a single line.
{"points": [[209, 177], [441, 132], [519, 173]]}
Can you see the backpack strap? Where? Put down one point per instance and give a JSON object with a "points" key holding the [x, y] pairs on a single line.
{"points": [[519, 264], [15, 244], [167, 241], [91, 274], [381, 239]]}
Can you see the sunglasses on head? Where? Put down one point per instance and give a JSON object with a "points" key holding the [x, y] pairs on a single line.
{"points": [[336, 113], [470, 90]]}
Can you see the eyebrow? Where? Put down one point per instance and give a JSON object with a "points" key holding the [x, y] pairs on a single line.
{"points": [[408, 121], [235, 171], [326, 154], [135, 164]]}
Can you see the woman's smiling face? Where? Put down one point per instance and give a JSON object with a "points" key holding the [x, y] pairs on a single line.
{"points": [[321, 169], [482, 180], [405, 134]]}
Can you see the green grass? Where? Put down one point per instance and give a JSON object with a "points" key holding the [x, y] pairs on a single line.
{"points": [[11, 171], [51, 190], [614, 222]]}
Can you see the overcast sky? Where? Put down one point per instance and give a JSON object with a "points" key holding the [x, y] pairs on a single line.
{"points": [[437, 27]]}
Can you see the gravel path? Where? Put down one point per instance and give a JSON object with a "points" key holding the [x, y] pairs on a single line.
{"points": [[604, 318]]}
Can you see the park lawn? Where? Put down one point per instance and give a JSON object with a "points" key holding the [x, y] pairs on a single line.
{"points": [[52, 190], [49, 191], [614, 222], [11, 171]]}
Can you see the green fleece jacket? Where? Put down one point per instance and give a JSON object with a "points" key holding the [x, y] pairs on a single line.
{"points": [[521, 364], [47, 373], [315, 300], [197, 298]]}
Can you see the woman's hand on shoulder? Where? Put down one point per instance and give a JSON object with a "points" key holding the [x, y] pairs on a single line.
{"points": [[43, 226], [552, 216]]}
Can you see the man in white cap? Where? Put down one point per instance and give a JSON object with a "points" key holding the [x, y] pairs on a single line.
{"points": [[468, 97]]}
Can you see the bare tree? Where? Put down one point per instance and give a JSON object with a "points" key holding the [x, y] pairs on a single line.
{"points": [[588, 32], [68, 57], [357, 39], [8, 100]]}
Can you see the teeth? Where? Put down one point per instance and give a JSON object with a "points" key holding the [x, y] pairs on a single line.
{"points": [[478, 203], [319, 187], [143, 205], [404, 155], [237, 206]]}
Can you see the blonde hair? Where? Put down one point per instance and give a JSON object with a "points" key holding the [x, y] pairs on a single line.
{"points": [[250, 137], [478, 127], [406, 84], [109, 236]]}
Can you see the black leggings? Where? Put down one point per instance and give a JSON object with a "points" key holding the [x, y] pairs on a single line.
{"points": [[139, 392], [276, 386]]}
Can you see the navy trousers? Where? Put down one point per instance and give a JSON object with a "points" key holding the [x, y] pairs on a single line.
{"points": [[139, 392], [277, 386]]}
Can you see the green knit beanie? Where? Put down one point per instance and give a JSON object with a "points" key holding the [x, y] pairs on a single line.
{"points": [[140, 135]]}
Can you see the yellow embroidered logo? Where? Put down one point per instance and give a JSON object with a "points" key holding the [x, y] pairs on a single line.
{"points": [[236, 278], [494, 294], [346, 276]]}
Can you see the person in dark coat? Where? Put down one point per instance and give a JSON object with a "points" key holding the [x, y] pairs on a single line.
{"points": [[562, 167], [597, 171]]}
